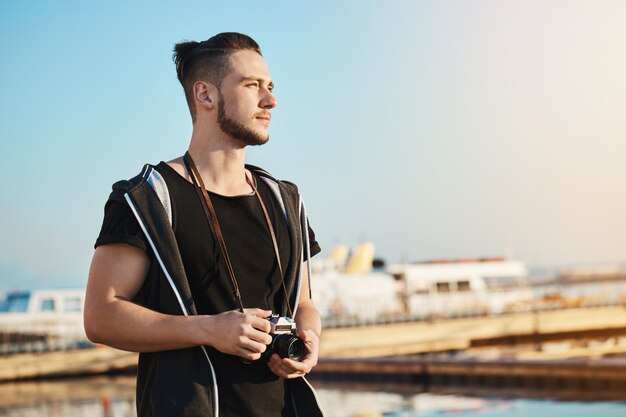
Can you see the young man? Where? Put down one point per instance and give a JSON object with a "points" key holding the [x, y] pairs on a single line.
{"points": [[189, 278]]}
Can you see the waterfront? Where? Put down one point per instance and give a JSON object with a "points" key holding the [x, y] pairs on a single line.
{"points": [[114, 397], [559, 353]]}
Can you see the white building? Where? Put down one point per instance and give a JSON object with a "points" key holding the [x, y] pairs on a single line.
{"points": [[466, 286]]}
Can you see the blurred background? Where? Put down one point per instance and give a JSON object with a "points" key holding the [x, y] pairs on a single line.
{"points": [[464, 159], [435, 129]]}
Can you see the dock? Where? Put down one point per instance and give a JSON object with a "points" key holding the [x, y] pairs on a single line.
{"points": [[607, 373], [464, 333], [66, 363], [407, 349]]}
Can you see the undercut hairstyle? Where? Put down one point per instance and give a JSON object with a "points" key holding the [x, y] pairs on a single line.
{"points": [[208, 61]]}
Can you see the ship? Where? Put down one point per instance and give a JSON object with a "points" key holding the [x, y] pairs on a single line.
{"points": [[42, 320], [354, 286]]}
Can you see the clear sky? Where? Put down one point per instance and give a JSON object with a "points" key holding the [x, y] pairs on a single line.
{"points": [[433, 128]]}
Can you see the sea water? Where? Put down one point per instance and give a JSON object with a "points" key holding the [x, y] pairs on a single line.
{"points": [[115, 397]]}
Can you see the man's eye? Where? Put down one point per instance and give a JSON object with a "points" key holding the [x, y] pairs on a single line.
{"points": [[253, 84]]}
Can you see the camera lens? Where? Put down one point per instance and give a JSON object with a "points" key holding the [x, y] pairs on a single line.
{"points": [[289, 346]]}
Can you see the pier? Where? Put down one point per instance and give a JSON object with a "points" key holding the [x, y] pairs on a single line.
{"points": [[527, 346], [583, 373], [65, 363], [464, 333]]}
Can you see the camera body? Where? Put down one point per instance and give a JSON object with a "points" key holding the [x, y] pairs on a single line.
{"points": [[285, 341], [282, 325]]}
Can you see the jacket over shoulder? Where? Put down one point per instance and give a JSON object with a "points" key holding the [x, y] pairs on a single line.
{"points": [[166, 289]]}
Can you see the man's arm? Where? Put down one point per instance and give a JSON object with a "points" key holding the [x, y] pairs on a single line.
{"points": [[309, 327], [117, 273]]}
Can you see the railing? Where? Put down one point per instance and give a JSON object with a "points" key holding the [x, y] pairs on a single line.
{"points": [[21, 336], [549, 304]]}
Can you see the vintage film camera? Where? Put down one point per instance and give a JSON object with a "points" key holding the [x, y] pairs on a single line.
{"points": [[285, 341]]}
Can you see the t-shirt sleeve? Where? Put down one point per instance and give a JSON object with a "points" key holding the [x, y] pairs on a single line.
{"points": [[120, 226], [315, 247]]}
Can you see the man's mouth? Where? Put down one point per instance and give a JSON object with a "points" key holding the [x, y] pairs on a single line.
{"points": [[263, 117]]}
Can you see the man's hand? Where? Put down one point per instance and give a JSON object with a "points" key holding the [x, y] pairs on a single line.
{"points": [[287, 368], [240, 334]]}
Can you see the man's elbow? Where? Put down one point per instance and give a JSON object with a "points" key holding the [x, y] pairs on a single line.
{"points": [[91, 328], [94, 326]]}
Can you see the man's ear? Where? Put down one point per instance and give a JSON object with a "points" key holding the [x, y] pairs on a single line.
{"points": [[205, 94]]}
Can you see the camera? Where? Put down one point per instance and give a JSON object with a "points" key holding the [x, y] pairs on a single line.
{"points": [[285, 343]]}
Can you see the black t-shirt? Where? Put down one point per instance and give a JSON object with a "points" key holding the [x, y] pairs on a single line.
{"points": [[244, 389]]}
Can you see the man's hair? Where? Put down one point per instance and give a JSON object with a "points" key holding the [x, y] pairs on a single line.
{"points": [[208, 60]]}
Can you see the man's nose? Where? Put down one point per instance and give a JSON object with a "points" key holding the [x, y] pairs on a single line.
{"points": [[268, 101]]}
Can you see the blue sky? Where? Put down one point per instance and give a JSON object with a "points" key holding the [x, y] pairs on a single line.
{"points": [[435, 129]]}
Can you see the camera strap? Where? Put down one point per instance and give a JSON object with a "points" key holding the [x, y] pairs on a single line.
{"points": [[214, 225]]}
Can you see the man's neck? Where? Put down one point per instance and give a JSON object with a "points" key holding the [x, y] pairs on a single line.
{"points": [[221, 163]]}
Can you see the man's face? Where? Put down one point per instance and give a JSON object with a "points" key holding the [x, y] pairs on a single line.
{"points": [[246, 100]]}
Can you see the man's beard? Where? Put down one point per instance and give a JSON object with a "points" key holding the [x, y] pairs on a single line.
{"points": [[236, 130]]}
